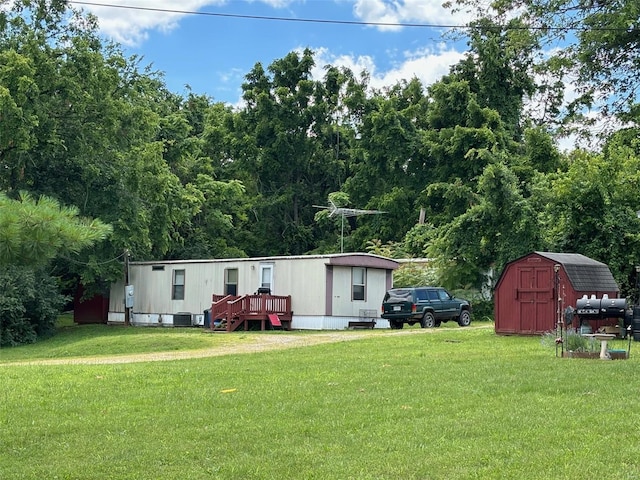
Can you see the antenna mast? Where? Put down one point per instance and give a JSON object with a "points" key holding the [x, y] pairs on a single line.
{"points": [[345, 212]]}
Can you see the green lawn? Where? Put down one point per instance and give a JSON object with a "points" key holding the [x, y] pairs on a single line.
{"points": [[450, 404]]}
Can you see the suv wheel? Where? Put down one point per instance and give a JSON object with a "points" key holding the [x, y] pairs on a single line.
{"points": [[428, 320], [465, 318], [396, 324]]}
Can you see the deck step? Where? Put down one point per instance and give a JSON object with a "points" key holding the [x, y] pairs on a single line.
{"points": [[275, 320]]}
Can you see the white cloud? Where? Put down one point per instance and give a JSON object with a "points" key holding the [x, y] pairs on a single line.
{"points": [[129, 26], [324, 57], [5, 7], [427, 65], [377, 11], [407, 11]]}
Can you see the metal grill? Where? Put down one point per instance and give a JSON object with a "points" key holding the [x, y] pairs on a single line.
{"points": [[604, 307]]}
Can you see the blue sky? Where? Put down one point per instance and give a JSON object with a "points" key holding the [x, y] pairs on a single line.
{"points": [[212, 54]]}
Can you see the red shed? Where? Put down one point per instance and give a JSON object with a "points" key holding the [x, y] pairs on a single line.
{"points": [[525, 292], [90, 310]]}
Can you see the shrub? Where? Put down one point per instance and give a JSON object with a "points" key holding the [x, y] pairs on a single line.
{"points": [[29, 305], [573, 341], [481, 307], [414, 275]]}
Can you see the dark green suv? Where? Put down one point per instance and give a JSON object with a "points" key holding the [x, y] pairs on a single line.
{"points": [[429, 306]]}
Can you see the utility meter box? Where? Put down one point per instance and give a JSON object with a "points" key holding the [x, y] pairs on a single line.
{"points": [[128, 296]]}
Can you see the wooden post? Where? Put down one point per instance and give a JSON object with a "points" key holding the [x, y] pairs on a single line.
{"points": [[127, 310]]}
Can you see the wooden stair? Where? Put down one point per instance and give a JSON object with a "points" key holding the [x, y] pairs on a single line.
{"points": [[246, 312]]}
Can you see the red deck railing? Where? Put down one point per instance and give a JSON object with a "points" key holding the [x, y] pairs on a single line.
{"points": [[219, 306], [236, 311]]}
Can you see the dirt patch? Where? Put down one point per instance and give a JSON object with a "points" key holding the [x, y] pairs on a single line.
{"points": [[256, 343]]}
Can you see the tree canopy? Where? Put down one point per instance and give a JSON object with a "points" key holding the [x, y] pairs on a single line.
{"points": [[33, 232], [463, 171]]}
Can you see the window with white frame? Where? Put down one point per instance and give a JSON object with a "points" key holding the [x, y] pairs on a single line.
{"points": [[177, 285], [358, 283], [231, 281]]}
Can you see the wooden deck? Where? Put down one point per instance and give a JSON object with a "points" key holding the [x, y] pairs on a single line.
{"points": [[249, 312]]}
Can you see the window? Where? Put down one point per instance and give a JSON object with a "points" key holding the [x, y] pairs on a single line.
{"points": [[358, 283], [266, 277], [177, 288], [231, 281]]}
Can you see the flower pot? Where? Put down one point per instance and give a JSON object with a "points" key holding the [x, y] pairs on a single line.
{"points": [[618, 354]]}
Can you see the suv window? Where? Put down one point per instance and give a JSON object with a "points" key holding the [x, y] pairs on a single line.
{"points": [[421, 295], [443, 295], [398, 294], [433, 295]]}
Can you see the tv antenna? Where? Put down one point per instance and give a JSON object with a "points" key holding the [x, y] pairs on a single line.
{"points": [[345, 212]]}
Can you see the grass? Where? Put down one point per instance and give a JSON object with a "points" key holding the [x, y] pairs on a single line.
{"points": [[72, 341], [92, 340], [457, 403]]}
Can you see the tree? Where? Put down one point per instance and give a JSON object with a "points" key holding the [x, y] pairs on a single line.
{"points": [[281, 137], [216, 230], [94, 130], [595, 48], [199, 143], [29, 305], [32, 233], [388, 168], [591, 208], [499, 68], [605, 56], [463, 137], [473, 247]]}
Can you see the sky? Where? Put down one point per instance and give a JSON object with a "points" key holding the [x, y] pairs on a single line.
{"points": [[210, 50]]}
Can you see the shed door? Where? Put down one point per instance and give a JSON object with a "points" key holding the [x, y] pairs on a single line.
{"points": [[535, 299]]}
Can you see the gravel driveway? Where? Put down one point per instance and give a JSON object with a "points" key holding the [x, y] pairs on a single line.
{"points": [[257, 343]]}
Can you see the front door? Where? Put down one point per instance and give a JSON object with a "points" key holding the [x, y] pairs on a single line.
{"points": [[266, 276], [535, 299]]}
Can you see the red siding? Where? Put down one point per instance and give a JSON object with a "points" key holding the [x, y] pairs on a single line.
{"points": [[525, 297], [91, 310]]}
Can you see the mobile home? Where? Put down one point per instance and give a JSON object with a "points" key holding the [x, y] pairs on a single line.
{"points": [[327, 291]]}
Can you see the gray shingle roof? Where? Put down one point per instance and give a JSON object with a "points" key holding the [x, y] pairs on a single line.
{"points": [[585, 274]]}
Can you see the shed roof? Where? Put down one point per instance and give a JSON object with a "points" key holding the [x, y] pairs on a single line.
{"points": [[585, 274]]}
